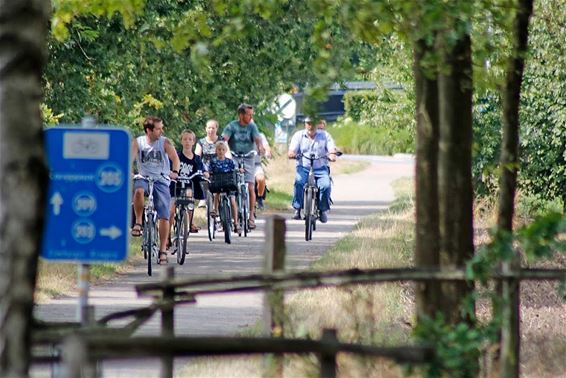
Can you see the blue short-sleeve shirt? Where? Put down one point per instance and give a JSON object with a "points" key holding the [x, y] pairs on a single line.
{"points": [[320, 145]]}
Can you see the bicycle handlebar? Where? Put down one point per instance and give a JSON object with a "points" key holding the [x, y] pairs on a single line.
{"points": [[139, 176], [189, 178], [241, 156], [313, 157]]}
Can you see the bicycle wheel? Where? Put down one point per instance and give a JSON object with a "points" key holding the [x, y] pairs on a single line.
{"points": [[245, 214], [315, 211], [183, 236], [245, 222], [145, 243], [308, 213], [211, 221], [174, 237], [150, 230], [226, 221]]}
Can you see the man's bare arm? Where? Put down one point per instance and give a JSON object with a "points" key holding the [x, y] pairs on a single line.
{"points": [[172, 155]]}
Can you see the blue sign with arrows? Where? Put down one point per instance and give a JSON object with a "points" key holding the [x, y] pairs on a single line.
{"points": [[89, 196]]}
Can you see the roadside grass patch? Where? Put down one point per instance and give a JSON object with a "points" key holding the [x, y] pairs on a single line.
{"points": [[377, 314], [55, 279], [277, 200]]}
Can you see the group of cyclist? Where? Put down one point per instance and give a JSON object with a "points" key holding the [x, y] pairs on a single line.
{"points": [[156, 157]]}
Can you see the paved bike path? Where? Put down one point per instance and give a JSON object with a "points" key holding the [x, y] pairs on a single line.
{"points": [[355, 196]]}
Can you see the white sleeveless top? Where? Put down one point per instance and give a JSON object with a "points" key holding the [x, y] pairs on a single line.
{"points": [[153, 160]]}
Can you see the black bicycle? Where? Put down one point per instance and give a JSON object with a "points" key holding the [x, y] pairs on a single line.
{"points": [[184, 211], [225, 184], [311, 208], [243, 198]]}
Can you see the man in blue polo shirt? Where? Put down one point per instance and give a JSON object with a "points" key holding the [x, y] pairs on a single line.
{"points": [[306, 142]]}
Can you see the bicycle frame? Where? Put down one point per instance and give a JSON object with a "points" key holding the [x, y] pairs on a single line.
{"points": [[150, 244], [243, 199], [311, 199], [225, 213], [184, 206]]}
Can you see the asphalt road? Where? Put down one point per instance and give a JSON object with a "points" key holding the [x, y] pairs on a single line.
{"points": [[355, 196]]}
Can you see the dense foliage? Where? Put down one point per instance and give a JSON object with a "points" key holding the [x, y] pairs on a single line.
{"points": [[542, 114], [381, 121], [120, 74]]}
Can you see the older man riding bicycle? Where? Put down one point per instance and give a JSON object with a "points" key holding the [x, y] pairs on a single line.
{"points": [[241, 135], [304, 143]]}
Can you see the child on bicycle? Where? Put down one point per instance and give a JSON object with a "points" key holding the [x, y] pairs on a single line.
{"points": [[221, 164], [189, 164]]}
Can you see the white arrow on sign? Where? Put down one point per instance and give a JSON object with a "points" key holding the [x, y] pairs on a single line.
{"points": [[56, 200], [112, 232]]}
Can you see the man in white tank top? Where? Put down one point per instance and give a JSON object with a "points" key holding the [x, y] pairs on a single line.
{"points": [[152, 152]]}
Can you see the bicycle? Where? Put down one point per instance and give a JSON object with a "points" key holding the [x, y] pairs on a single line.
{"points": [[243, 198], [311, 208], [150, 235], [224, 183], [184, 207]]}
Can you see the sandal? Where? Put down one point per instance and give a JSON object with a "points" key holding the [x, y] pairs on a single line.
{"points": [[251, 224], [162, 261], [237, 229], [137, 230], [213, 213], [194, 229]]}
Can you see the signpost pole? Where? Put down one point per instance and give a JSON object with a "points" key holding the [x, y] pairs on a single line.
{"points": [[84, 283], [84, 269]]}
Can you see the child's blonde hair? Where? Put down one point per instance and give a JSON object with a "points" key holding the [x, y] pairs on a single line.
{"points": [[190, 132], [220, 143]]}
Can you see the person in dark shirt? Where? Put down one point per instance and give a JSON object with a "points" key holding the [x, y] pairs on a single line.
{"points": [[189, 164]]}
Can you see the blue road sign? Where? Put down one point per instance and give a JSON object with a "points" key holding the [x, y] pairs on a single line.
{"points": [[88, 203]]}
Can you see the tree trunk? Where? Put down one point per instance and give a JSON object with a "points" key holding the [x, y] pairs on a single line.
{"points": [[510, 333], [454, 166], [426, 181], [23, 175]]}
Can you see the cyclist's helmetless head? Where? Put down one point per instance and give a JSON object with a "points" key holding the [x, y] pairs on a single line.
{"points": [[221, 149], [310, 127], [153, 127], [245, 114], [188, 139], [211, 127]]}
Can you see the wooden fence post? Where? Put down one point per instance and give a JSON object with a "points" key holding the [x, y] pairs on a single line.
{"points": [[274, 310], [75, 357], [168, 321], [510, 328], [328, 366]]}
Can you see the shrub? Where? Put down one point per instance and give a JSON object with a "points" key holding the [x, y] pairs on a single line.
{"points": [[360, 138]]}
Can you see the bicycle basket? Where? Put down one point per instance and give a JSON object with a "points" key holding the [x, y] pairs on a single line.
{"points": [[184, 192], [223, 182]]}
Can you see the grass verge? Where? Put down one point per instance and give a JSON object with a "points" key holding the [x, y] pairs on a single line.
{"points": [[383, 314], [370, 314]]}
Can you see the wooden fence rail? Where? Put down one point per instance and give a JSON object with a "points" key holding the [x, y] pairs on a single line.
{"points": [[304, 280], [108, 347], [80, 350]]}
